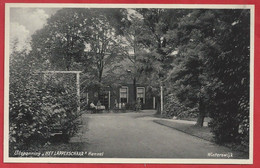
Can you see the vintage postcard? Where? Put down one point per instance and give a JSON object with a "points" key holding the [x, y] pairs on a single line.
{"points": [[128, 83]]}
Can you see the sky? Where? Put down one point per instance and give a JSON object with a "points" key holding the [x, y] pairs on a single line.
{"points": [[25, 21]]}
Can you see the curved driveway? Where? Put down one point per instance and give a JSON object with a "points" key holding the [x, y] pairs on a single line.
{"points": [[132, 135]]}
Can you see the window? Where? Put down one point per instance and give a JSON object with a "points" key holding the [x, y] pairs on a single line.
{"points": [[124, 94], [140, 94]]}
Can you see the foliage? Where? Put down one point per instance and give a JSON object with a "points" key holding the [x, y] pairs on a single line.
{"points": [[62, 38], [211, 69], [156, 62], [80, 39], [231, 114], [202, 59], [173, 108], [37, 107]]}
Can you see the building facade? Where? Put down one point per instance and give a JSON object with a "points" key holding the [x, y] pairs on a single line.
{"points": [[123, 96]]}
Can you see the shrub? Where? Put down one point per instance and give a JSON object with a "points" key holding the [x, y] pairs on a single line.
{"points": [[230, 119], [189, 113], [173, 107], [37, 107]]}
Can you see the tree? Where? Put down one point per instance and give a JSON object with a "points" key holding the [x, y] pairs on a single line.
{"points": [[103, 44], [63, 38], [191, 74], [133, 49], [151, 62], [157, 62], [220, 78], [79, 39], [231, 115]]}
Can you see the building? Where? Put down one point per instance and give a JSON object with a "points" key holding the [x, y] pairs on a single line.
{"points": [[123, 97]]}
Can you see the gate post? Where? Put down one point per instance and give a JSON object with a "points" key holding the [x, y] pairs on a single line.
{"points": [[78, 92], [109, 99], [161, 99]]}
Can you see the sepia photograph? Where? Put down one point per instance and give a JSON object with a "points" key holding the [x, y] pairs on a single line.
{"points": [[114, 83]]}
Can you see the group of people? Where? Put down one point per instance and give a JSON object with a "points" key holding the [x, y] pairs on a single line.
{"points": [[99, 106]]}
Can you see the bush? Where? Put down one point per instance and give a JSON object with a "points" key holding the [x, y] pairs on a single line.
{"points": [[173, 107], [230, 120], [189, 113], [37, 107]]}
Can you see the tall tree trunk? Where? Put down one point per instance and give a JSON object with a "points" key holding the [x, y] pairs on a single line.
{"points": [[99, 80], [100, 75], [202, 112]]}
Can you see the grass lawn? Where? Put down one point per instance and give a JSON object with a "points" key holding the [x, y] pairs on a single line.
{"points": [[201, 132], [206, 119]]}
